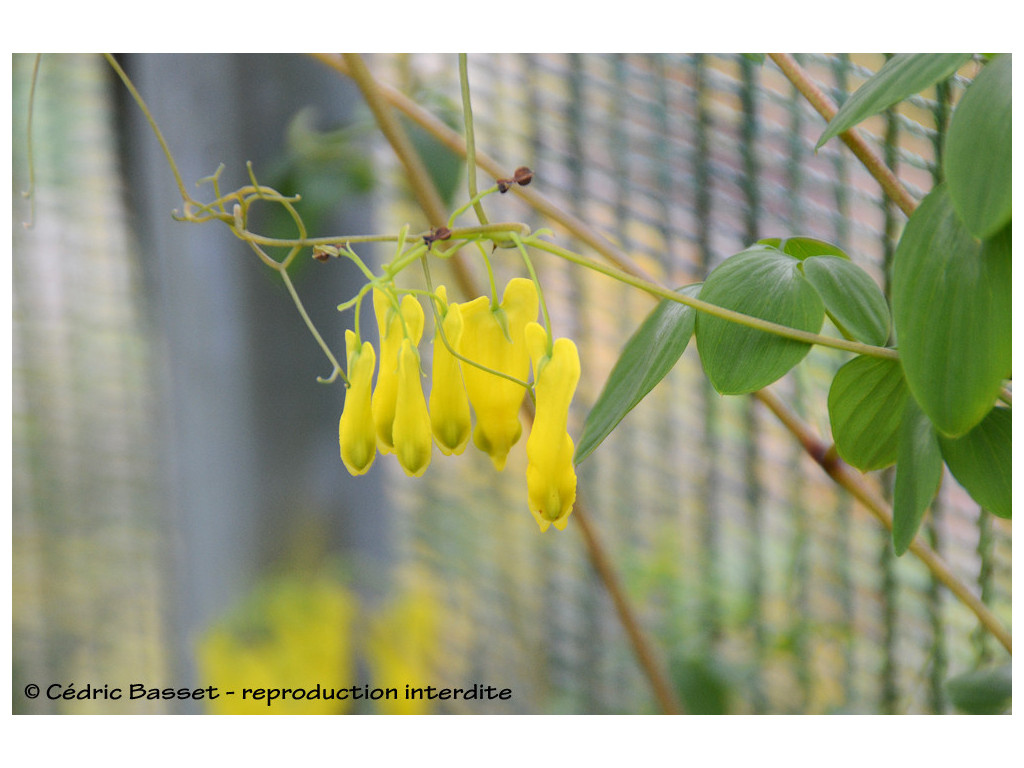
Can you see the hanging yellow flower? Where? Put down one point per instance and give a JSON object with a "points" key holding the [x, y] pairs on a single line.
{"points": [[550, 476], [450, 418], [411, 429], [394, 328], [356, 433], [495, 338]]}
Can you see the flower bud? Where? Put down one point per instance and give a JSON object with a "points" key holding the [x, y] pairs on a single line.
{"points": [[356, 433]]}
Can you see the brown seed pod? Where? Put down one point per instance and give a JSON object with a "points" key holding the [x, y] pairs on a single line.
{"points": [[435, 234], [522, 176]]}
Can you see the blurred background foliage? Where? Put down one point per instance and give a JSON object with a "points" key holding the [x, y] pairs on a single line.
{"points": [[181, 516]]}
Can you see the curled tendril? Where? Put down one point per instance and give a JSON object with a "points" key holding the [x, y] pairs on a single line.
{"points": [[332, 378]]}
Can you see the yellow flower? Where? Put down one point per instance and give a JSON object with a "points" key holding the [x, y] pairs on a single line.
{"points": [[356, 433], [495, 338], [449, 408], [412, 422], [394, 328], [405, 647], [293, 632], [550, 476]]}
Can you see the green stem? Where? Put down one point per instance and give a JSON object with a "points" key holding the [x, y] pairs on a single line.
{"points": [[473, 202], [540, 291], [137, 97], [467, 116], [312, 329], [712, 309]]}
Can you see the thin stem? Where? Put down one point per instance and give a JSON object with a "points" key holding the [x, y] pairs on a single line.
{"points": [[540, 290], [473, 202], [467, 116], [312, 328], [137, 97], [860, 148]]}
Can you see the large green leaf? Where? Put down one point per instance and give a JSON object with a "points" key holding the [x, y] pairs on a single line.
{"points": [[852, 299], [865, 407], [765, 283], [918, 475], [983, 691], [977, 159], [980, 460], [648, 355], [903, 75], [951, 309]]}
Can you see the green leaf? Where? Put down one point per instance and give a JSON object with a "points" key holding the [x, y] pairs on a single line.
{"points": [[804, 247], [951, 310], [865, 406], [852, 299], [982, 692], [648, 355], [703, 684], [918, 475], [980, 461], [764, 283], [903, 75], [977, 158]]}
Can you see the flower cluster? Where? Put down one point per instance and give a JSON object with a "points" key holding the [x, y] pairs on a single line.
{"points": [[483, 353]]}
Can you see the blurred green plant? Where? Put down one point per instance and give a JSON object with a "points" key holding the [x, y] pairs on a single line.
{"points": [[982, 692]]}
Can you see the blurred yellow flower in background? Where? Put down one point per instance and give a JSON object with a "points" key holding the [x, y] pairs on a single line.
{"points": [[404, 647], [293, 632]]}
